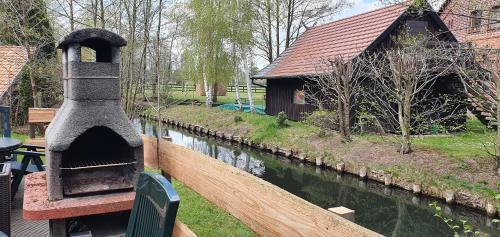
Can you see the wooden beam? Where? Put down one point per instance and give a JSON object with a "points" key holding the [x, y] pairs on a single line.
{"points": [[266, 209], [181, 230], [41, 115], [150, 152]]}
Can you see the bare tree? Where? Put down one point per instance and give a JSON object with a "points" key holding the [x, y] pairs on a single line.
{"points": [[479, 69], [336, 87], [401, 89], [281, 22]]}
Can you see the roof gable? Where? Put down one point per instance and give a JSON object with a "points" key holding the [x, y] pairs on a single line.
{"points": [[12, 61], [348, 38]]}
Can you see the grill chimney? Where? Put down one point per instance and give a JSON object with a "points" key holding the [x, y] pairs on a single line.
{"points": [[92, 147]]}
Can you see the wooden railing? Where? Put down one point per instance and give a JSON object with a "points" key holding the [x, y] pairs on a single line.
{"points": [[263, 207], [186, 88]]}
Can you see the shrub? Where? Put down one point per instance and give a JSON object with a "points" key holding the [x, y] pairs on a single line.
{"points": [[281, 119], [325, 120], [368, 123], [238, 118]]}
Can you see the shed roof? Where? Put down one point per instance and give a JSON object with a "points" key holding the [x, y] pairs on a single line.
{"points": [[12, 61], [346, 37]]}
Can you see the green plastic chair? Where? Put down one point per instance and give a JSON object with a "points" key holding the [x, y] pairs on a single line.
{"points": [[155, 207]]}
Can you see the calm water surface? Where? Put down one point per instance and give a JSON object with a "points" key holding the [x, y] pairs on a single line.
{"points": [[389, 211]]}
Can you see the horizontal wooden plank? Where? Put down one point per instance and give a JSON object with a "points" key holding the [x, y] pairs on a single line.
{"points": [[150, 151], [263, 207], [181, 230], [41, 115]]}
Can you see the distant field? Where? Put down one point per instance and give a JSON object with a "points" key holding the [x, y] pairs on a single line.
{"points": [[176, 93]]}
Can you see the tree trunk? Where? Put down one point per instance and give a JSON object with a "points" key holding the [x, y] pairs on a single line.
{"points": [[347, 113], [249, 84], [237, 89], [290, 17], [403, 118], [208, 91], [103, 21], [215, 90], [497, 82], [277, 28], [71, 16], [269, 33]]}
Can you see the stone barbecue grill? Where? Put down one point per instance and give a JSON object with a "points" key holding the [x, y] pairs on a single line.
{"points": [[92, 147]]}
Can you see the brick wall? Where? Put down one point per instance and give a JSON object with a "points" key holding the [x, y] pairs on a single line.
{"points": [[457, 15]]}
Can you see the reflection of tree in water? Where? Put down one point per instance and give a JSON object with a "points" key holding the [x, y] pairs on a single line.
{"points": [[387, 215], [392, 212]]}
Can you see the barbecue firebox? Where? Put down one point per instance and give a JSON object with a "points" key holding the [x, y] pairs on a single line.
{"points": [[92, 147]]}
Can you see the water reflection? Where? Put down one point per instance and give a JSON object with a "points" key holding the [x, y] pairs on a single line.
{"points": [[392, 212]]}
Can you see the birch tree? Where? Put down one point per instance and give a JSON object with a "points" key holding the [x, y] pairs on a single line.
{"points": [[219, 35]]}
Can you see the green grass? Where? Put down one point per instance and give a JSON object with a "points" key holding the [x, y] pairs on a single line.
{"points": [[229, 98], [204, 218], [259, 128], [472, 143], [21, 137]]}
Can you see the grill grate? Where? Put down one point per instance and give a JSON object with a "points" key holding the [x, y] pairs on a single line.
{"points": [[91, 164]]}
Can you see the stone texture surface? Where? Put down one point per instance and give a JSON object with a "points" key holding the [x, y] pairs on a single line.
{"points": [[37, 206], [83, 35], [94, 89], [93, 70], [76, 117]]}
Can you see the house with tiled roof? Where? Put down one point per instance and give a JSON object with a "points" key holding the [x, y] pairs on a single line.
{"points": [[12, 61], [350, 37], [473, 21]]}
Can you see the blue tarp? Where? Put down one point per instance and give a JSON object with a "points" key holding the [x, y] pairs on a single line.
{"points": [[259, 109]]}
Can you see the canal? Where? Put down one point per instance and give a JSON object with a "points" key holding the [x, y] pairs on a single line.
{"points": [[389, 211]]}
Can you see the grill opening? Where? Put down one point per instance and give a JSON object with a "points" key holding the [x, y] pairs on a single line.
{"points": [[99, 160]]}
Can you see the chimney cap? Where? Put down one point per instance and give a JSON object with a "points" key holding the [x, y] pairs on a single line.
{"points": [[92, 38]]}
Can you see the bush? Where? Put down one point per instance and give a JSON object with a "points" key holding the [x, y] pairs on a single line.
{"points": [[368, 123], [325, 120], [238, 118], [281, 119]]}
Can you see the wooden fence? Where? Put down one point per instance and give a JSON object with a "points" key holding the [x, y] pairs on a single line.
{"points": [[184, 88], [263, 207]]}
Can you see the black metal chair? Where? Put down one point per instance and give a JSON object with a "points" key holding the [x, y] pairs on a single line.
{"points": [[155, 207]]}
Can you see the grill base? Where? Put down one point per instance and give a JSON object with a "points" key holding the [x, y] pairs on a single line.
{"points": [[91, 181]]}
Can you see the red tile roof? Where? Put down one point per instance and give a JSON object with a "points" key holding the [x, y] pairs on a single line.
{"points": [[12, 60], [347, 38]]}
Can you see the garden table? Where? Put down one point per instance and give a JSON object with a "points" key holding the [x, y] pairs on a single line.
{"points": [[7, 146]]}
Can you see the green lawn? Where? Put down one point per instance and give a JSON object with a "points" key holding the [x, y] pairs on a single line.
{"points": [[204, 218], [229, 98], [475, 141]]}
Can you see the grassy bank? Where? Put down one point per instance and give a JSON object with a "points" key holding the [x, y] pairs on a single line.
{"points": [[453, 161]]}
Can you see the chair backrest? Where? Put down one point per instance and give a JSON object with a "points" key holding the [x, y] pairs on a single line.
{"points": [[39, 116], [5, 116], [155, 207]]}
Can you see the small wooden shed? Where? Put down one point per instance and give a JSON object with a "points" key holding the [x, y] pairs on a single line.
{"points": [[349, 37]]}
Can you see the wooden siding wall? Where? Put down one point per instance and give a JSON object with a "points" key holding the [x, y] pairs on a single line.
{"points": [[279, 97]]}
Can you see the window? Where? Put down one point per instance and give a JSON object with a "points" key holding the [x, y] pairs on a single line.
{"points": [[475, 23], [299, 97], [495, 18]]}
